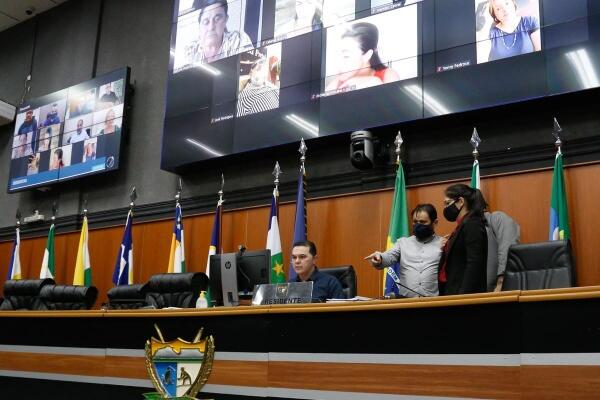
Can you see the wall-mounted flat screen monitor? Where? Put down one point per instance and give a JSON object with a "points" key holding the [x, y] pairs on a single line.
{"points": [[251, 74], [69, 134]]}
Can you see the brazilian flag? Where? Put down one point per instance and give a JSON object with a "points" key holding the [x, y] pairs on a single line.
{"points": [[398, 226], [559, 216]]}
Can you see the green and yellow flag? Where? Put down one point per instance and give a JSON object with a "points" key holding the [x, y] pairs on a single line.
{"points": [[559, 216]]}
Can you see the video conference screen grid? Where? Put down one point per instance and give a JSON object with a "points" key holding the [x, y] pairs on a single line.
{"points": [[262, 73], [69, 133]]}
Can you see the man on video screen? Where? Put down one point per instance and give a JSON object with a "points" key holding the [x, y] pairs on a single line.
{"points": [[215, 40]]}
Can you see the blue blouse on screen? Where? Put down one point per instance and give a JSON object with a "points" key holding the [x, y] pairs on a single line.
{"points": [[512, 44]]}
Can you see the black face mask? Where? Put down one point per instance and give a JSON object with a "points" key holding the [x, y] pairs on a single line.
{"points": [[451, 212], [422, 231]]}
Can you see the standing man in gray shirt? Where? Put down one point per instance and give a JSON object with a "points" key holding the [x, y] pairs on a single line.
{"points": [[419, 255], [502, 232]]}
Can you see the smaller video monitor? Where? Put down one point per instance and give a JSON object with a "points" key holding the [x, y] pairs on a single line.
{"points": [[252, 269]]}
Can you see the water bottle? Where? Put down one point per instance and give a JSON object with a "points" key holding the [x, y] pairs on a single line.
{"points": [[201, 302]]}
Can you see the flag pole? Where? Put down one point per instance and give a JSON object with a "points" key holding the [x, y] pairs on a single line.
{"points": [[475, 175], [132, 199], [556, 132], [302, 150], [398, 142], [220, 210], [54, 212], [178, 192], [276, 172], [475, 142]]}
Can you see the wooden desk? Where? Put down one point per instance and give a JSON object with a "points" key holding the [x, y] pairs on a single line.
{"points": [[511, 345]]}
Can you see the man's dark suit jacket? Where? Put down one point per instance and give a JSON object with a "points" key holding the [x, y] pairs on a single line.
{"points": [[466, 261]]}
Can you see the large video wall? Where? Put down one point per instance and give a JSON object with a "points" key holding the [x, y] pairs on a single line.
{"points": [[250, 74]]}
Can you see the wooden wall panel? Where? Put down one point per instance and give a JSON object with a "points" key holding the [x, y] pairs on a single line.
{"points": [[345, 229]]}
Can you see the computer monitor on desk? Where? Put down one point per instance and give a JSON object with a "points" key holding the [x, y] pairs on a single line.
{"points": [[235, 274]]}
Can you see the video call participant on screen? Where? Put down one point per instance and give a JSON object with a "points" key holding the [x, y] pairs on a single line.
{"points": [[259, 94], [52, 117], [57, 159], [109, 124], [45, 138], [23, 149], [360, 65], [33, 164], [89, 152], [464, 259], [304, 255], [79, 135], [29, 126], [511, 34], [109, 97], [308, 15], [419, 255], [215, 40]]}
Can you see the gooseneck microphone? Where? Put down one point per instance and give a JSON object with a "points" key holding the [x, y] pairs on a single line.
{"points": [[392, 274]]}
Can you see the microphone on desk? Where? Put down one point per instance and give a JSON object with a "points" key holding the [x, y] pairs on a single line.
{"points": [[392, 274]]}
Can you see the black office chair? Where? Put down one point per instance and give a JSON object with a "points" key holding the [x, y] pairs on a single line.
{"points": [[127, 297], [544, 265], [68, 297], [23, 294], [175, 290], [346, 276]]}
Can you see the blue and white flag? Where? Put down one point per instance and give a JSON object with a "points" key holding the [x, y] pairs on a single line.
{"points": [[177, 255], [300, 222], [14, 268], [123, 273]]}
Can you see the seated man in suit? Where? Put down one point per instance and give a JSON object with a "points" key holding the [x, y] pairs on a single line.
{"points": [[304, 254]]}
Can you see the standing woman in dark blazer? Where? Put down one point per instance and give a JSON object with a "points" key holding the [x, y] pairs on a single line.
{"points": [[464, 259]]}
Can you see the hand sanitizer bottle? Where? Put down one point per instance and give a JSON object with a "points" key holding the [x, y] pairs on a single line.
{"points": [[201, 302]]}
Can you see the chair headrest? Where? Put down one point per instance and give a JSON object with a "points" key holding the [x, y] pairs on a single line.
{"points": [[542, 255], [178, 282], [69, 294], [340, 271], [129, 292], [25, 287]]}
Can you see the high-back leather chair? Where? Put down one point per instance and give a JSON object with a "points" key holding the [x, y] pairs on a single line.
{"points": [[175, 290], [346, 276], [125, 297], [23, 294], [544, 265], [68, 297]]}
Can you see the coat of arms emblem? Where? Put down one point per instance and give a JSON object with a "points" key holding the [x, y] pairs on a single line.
{"points": [[178, 368]]}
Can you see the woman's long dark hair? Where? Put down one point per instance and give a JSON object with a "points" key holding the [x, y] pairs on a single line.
{"points": [[474, 199], [367, 36]]}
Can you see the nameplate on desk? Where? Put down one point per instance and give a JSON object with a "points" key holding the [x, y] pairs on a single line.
{"points": [[283, 293]]}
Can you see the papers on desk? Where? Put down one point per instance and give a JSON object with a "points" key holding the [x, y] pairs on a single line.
{"points": [[356, 298]]}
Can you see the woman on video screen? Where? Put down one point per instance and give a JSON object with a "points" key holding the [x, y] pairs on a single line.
{"points": [[360, 66], [307, 16], [57, 159], [512, 34], [258, 94], [215, 40], [109, 124]]}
